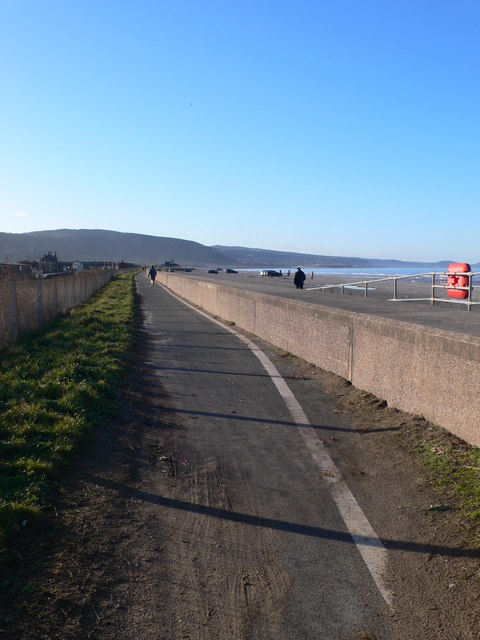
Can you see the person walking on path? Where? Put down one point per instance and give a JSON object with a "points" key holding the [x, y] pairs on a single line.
{"points": [[152, 274], [299, 278]]}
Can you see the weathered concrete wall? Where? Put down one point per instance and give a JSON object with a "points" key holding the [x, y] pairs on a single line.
{"points": [[420, 370], [414, 368], [25, 305]]}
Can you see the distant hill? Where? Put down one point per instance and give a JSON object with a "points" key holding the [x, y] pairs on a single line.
{"points": [[99, 244], [246, 257], [243, 256]]}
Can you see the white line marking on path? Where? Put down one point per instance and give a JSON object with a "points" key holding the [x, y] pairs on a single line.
{"points": [[368, 544]]}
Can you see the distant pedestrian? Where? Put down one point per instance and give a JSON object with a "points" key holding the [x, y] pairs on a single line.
{"points": [[152, 274], [288, 273], [299, 279]]}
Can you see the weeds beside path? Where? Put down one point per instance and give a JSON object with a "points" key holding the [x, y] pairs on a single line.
{"points": [[56, 386]]}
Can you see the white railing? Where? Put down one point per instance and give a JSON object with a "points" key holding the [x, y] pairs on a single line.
{"points": [[433, 276]]}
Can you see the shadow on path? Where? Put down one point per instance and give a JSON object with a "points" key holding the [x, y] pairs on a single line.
{"points": [[282, 525], [282, 423]]}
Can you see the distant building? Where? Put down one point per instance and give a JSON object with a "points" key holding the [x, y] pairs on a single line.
{"points": [[17, 269], [49, 263]]}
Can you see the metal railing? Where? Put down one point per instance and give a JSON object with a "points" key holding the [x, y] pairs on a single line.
{"points": [[432, 275]]}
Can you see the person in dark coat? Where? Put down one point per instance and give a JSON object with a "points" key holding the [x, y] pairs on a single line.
{"points": [[299, 279], [152, 274]]}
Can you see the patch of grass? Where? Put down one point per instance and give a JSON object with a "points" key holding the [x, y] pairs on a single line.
{"points": [[455, 466], [57, 386]]}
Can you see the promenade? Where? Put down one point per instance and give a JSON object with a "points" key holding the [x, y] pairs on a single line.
{"points": [[421, 359], [445, 316]]}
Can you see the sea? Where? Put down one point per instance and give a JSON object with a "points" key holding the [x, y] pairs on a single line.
{"points": [[349, 274], [365, 274]]}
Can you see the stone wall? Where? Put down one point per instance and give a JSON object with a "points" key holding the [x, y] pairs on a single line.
{"points": [[25, 305], [414, 368]]}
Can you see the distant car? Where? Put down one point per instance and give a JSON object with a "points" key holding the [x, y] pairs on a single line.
{"points": [[231, 271], [213, 271], [271, 273]]}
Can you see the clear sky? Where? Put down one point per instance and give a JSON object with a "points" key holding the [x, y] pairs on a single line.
{"points": [[337, 127]]}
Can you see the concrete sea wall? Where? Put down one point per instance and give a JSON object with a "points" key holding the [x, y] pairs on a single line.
{"points": [[414, 368], [25, 305]]}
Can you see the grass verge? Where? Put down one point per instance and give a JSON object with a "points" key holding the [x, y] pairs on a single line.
{"points": [[57, 386], [454, 466]]}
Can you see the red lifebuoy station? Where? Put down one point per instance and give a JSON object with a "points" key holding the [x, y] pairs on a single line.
{"points": [[455, 280]]}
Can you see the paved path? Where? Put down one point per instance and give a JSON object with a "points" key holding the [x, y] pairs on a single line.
{"points": [[241, 422], [264, 512]]}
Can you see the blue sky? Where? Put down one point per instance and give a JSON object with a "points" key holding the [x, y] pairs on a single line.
{"points": [[338, 128]]}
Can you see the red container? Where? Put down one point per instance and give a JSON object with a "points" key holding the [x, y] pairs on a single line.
{"points": [[455, 280]]}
